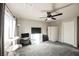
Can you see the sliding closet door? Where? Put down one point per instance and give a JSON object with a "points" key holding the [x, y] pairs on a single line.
{"points": [[2, 9]]}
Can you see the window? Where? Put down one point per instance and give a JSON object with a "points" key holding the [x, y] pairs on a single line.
{"points": [[9, 29], [9, 25]]}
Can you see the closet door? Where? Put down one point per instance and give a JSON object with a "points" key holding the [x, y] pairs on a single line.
{"points": [[53, 33], [49, 33]]}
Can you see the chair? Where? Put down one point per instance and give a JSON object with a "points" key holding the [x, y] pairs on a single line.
{"points": [[25, 39]]}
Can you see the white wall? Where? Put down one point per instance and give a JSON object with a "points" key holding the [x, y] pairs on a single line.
{"points": [[25, 26]]}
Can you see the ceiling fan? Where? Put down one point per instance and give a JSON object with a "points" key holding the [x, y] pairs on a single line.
{"points": [[49, 14]]}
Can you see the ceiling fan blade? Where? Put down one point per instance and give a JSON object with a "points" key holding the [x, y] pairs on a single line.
{"points": [[43, 17], [57, 14], [46, 19], [53, 18]]}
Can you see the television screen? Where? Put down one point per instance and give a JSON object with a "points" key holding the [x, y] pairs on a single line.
{"points": [[23, 35], [35, 30]]}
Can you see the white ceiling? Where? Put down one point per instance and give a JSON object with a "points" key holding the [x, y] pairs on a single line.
{"points": [[33, 11]]}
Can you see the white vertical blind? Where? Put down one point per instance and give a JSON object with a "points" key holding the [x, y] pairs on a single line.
{"points": [[9, 28], [10, 21]]}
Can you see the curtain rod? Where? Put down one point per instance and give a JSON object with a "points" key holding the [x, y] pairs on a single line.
{"points": [[9, 10]]}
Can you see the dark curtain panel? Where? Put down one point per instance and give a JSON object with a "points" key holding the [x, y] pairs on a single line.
{"points": [[2, 10]]}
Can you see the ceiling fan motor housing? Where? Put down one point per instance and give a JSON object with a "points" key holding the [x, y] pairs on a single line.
{"points": [[49, 14]]}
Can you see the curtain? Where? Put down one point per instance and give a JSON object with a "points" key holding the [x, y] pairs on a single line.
{"points": [[9, 29]]}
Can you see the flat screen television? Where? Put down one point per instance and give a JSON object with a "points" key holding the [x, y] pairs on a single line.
{"points": [[35, 30], [23, 35]]}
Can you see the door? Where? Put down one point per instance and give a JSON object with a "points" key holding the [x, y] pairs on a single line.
{"points": [[49, 33], [68, 32], [53, 33]]}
